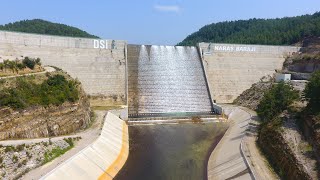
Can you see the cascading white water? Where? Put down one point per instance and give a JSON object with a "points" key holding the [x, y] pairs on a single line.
{"points": [[171, 79]]}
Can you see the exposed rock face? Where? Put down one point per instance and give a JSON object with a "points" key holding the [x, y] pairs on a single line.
{"points": [[251, 98], [38, 122], [310, 126], [307, 61], [278, 151], [300, 76], [311, 45], [303, 66]]}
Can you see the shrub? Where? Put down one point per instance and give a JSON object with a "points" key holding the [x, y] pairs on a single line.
{"points": [[38, 61], [69, 141], [30, 63], [312, 92], [276, 100], [14, 158], [20, 147], [8, 149], [28, 154], [21, 66], [54, 91]]}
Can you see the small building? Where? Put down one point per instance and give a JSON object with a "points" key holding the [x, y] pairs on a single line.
{"points": [[282, 77]]}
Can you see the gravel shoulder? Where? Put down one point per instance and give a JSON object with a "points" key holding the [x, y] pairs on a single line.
{"points": [[237, 153], [259, 164], [47, 69]]}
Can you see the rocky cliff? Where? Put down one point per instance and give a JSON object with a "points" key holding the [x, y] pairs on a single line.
{"points": [[251, 97], [40, 121], [284, 159], [310, 126], [302, 64]]}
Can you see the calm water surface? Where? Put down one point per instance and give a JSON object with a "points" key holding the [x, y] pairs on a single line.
{"points": [[170, 151]]}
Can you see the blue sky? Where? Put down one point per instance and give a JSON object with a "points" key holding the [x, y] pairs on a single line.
{"points": [[149, 21]]}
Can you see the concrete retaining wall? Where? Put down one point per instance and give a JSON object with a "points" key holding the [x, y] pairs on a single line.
{"points": [[233, 68], [101, 71], [103, 159]]}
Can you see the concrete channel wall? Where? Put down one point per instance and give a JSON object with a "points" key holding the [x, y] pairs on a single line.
{"points": [[232, 68], [101, 71], [103, 159]]}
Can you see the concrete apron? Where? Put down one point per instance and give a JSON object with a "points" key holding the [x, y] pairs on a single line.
{"points": [[226, 160], [103, 159]]}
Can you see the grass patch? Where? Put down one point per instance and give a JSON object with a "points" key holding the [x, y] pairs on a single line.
{"points": [[56, 152]]}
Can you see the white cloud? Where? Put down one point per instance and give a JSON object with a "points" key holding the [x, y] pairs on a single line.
{"points": [[167, 8]]}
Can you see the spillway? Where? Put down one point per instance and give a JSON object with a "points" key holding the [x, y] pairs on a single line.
{"points": [[166, 79]]}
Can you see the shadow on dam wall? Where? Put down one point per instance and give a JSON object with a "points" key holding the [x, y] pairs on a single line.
{"points": [[170, 151]]}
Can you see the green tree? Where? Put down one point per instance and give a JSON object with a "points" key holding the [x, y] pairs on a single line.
{"points": [[312, 92], [30, 63], [280, 31], [276, 100], [6, 64], [12, 65], [45, 27], [38, 61], [1, 66], [21, 66]]}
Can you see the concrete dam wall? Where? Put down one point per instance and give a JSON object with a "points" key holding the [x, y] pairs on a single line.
{"points": [[166, 79], [156, 79], [101, 71], [233, 68], [103, 159]]}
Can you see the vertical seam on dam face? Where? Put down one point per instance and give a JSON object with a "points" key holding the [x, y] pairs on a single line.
{"points": [[166, 79]]}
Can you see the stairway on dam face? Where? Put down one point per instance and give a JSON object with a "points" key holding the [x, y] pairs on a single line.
{"points": [[166, 79]]}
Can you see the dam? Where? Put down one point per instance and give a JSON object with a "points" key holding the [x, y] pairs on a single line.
{"points": [[166, 79], [149, 81], [153, 80], [233, 68], [101, 71]]}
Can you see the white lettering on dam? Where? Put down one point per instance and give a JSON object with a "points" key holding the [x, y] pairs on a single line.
{"points": [[235, 48], [100, 44]]}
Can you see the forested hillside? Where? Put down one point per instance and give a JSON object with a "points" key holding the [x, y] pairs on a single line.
{"points": [[39, 26], [280, 31]]}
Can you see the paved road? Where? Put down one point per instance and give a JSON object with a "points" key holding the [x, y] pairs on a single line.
{"points": [[259, 164], [227, 160]]}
